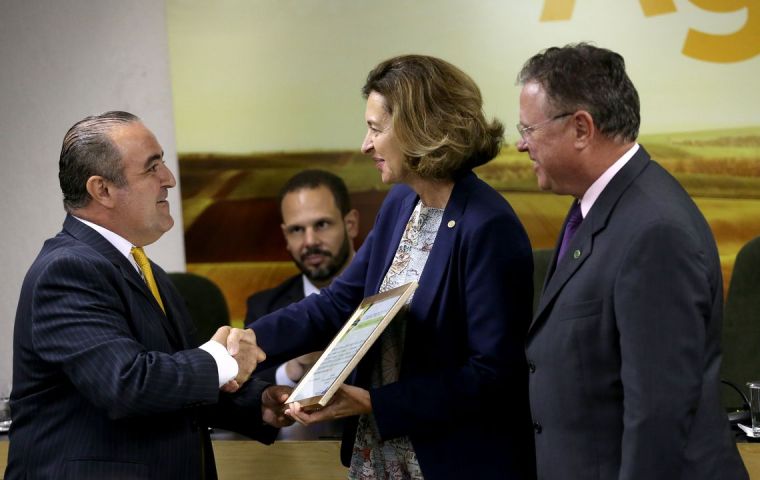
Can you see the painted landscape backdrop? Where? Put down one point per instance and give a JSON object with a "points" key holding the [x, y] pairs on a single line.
{"points": [[232, 219]]}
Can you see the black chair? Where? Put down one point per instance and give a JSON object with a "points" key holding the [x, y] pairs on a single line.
{"points": [[204, 300], [741, 326], [541, 259]]}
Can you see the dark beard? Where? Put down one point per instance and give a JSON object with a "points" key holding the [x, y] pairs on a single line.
{"points": [[331, 268]]}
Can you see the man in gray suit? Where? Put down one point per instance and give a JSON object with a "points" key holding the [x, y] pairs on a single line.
{"points": [[624, 347]]}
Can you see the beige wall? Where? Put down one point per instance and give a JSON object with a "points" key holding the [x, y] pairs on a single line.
{"points": [[264, 75], [59, 62]]}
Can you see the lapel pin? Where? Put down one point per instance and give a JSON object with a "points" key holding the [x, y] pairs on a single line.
{"points": [[451, 223], [576, 254]]}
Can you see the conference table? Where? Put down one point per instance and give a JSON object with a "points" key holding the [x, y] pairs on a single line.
{"points": [[314, 460], [251, 460]]}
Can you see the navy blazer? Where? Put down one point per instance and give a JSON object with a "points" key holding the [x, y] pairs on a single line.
{"points": [[105, 385], [462, 393], [625, 344]]}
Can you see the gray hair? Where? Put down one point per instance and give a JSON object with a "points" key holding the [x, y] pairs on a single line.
{"points": [[585, 77], [88, 150]]}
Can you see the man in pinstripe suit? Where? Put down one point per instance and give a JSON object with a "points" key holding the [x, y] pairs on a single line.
{"points": [[108, 379]]}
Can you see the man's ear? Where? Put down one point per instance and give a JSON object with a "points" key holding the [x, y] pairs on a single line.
{"points": [[100, 190], [583, 123], [351, 220]]}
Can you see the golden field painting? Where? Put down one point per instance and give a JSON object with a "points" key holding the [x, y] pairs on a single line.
{"points": [[231, 216]]}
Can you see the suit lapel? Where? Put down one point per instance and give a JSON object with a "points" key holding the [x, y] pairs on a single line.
{"points": [[405, 211], [179, 334], [295, 291], [434, 271], [96, 241], [289, 292], [582, 244]]}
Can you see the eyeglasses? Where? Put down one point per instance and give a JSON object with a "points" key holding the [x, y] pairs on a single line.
{"points": [[526, 130]]}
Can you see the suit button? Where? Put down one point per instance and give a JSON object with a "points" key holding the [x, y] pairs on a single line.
{"points": [[531, 367], [537, 427]]}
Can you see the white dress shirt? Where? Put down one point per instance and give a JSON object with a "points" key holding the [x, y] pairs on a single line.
{"points": [[599, 185], [226, 366], [280, 376]]}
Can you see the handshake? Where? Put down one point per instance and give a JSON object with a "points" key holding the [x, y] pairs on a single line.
{"points": [[241, 345]]}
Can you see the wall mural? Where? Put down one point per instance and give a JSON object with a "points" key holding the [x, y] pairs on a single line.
{"points": [[742, 44], [230, 173]]}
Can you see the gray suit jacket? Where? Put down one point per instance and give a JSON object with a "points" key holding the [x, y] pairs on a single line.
{"points": [[624, 348]]}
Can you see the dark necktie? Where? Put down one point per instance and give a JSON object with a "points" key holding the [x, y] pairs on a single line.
{"points": [[574, 219]]}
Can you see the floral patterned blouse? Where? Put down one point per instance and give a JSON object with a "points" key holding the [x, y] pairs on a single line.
{"points": [[394, 459]]}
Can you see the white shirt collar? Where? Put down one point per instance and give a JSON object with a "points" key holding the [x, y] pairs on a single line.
{"points": [[308, 287], [120, 243], [598, 186]]}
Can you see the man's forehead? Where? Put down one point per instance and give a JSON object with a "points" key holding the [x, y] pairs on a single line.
{"points": [[133, 136], [135, 129], [317, 196], [123, 131], [318, 201], [533, 92], [533, 99]]}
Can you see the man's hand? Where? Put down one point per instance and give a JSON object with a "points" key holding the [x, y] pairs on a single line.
{"points": [[241, 345], [297, 368], [273, 406], [346, 402]]}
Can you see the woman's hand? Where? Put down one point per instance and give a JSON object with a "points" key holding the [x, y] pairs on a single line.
{"points": [[347, 401]]}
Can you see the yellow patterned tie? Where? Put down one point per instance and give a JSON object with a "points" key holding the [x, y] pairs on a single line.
{"points": [[144, 264]]}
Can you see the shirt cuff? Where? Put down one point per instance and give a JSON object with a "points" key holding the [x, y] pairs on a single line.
{"points": [[281, 378], [226, 366]]}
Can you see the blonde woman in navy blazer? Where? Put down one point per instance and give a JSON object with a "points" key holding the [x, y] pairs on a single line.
{"points": [[461, 393]]}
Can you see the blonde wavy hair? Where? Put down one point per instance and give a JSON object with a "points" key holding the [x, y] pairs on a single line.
{"points": [[437, 115]]}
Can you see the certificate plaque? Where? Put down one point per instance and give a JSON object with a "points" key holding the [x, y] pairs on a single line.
{"points": [[368, 321]]}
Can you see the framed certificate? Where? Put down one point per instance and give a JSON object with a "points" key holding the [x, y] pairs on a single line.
{"points": [[366, 324]]}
